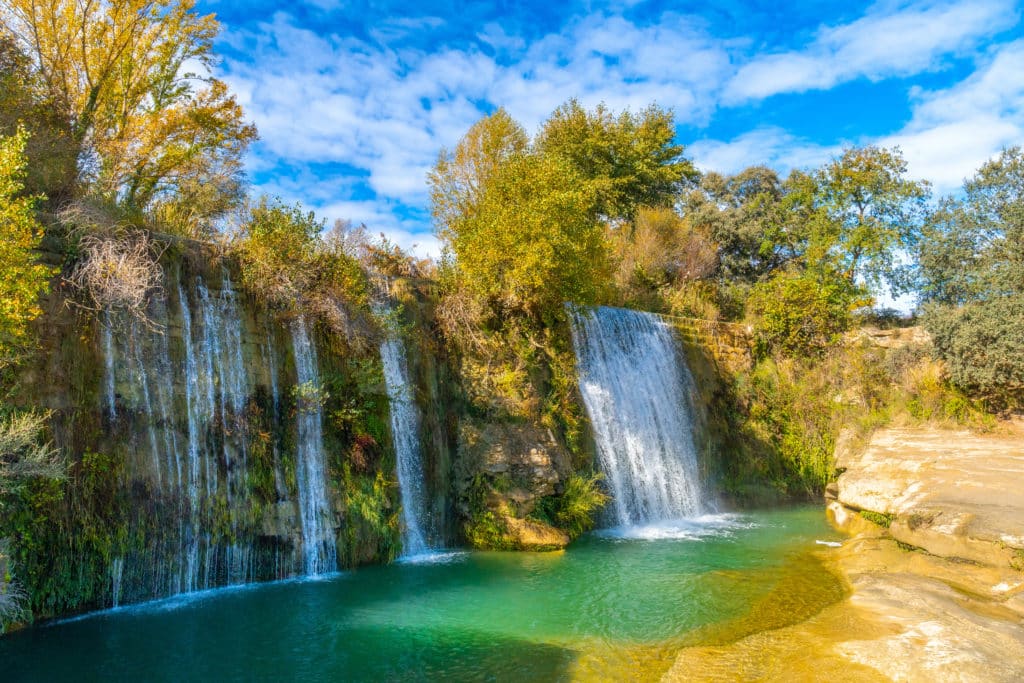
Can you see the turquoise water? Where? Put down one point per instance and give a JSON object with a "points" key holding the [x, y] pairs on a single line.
{"points": [[461, 616]]}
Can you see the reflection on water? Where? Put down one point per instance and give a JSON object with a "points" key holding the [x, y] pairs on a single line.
{"points": [[611, 606]]}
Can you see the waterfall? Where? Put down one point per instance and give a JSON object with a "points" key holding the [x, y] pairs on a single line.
{"points": [[109, 380], [405, 431], [187, 402], [318, 542], [635, 386], [195, 414], [116, 574]]}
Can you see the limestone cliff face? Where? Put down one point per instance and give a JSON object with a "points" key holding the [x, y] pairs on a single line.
{"points": [[506, 471], [216, 442]]}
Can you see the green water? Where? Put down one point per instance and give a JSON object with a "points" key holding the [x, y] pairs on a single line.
{"points": [[468, 616]]}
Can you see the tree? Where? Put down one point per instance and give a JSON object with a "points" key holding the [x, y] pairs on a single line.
{"points": [[460, 177], [532, 243], [631, 159], [973, 248], [862, 210], [747, 216], [286, 262], [118, 72], [52, 168], [801, 314], [22, 278], [971, 279]]}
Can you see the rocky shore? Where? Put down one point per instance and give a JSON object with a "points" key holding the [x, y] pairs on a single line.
{"points": [[934, 570]]}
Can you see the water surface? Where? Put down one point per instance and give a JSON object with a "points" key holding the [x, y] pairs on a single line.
{"points": [[617, 601]]}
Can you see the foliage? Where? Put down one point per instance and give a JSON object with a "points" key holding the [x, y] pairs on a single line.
{"points": [[973, 247], [287, 264], [882, 520], [23, 460], [22, 456], [972, 280], [22, 278], [582, 497], [532, 244], [485, 528], [52, 168], [659, 252], [461, 176], [747, 216], [983, 345], [862, 208], [631, 160], [117, 270], [372, 529], [146, 134], [801, 314]]}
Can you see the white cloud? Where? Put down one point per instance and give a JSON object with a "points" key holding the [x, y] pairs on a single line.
{"points": [[772, 147], [322, 99], [955, 130], [380, 111], [888, 41]]}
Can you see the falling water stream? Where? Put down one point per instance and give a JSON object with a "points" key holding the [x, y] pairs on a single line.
{"points": [[186, 405], [405, 431], [635, 385], [319, 545]]}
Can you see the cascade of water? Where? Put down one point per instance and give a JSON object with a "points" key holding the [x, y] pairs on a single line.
{"points": [[405, 431], [270, 357], [319, 547], [138, 368], [635, 386], [108, 364], [194, 540], [116, 574]]}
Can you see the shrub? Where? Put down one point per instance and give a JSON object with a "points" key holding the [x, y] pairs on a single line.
{"points": [[801, 315], [581, 499], [983, 346], [117, 271]]}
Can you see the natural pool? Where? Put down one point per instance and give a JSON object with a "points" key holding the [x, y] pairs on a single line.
{"points": [[616, 604]]}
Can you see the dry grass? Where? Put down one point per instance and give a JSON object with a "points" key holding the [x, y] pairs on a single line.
{"points": [[118, 271]]}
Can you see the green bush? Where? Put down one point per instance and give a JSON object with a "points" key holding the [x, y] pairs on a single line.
{"points": [[801, 315], [582, 498], [983, 346]]}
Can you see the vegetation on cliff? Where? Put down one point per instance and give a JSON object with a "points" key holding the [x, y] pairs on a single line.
{"points": [[122, 170]]}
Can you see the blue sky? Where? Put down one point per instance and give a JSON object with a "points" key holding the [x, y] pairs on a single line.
{"points": [[354, 100]]}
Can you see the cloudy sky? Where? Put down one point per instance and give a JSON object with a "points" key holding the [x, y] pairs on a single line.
{"points": [[354, 99]]}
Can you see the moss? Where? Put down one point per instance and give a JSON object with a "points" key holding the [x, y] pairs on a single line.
{"points": [[1017, 561], [881, 519], [487, 531]]}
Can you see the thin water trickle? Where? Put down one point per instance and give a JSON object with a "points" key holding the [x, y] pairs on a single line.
{"points": [[319, 545], [405, 432], [636, 388]]}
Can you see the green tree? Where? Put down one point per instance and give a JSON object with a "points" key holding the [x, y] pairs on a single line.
{"points": [[973, 248], [533, 243], [802, 314], [52, 168], [971, 278], [862, 209], [748, 216], [118, 74], [631, 159], [287, 262], [461, 176], [22, 278]]}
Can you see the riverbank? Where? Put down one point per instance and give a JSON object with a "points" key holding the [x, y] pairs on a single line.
{"points": [[932, 565]]}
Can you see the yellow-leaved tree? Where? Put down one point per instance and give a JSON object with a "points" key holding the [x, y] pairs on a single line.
{"points": [[154, 133]]}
